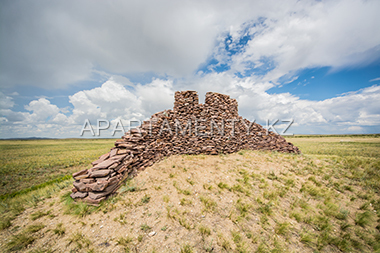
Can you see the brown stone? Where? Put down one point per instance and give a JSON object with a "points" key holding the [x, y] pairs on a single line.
{"points": [[135, 139], [79, 195], [113, 166], [101, 159], [100, 179], [122, 169], [112, 180], [82, 172], [80, 186], [104, 165], [113, 152], [118, 157], [122, 151], [135, 131], [106, 191], [81, 177], [98, 186], [141, 147], [100, 173], [87, 180], [125, 145]]}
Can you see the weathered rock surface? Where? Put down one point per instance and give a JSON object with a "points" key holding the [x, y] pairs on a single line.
{"points": [[190, 128]]}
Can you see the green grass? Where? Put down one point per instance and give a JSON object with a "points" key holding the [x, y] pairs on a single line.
{"points": [[76, 208], [38, 214], [364, 219], [186, 249], [145, 227], [20, 241], [345, 145], [208, 203], [26, 163], [349, 163], [145, 199], [166, 198], [124, 241], [355, 157], [204, 231], [185, 202], [282, 228], [34, 228], [79, 240], [59, 230], [10, 208], [332, 189], [24, 238]]}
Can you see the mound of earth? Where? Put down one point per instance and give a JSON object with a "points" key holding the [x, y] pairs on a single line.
{"points": [[243, 202], [213, 128]]}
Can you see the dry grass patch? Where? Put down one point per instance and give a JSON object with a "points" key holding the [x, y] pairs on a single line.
{"points": [[250, 201]]}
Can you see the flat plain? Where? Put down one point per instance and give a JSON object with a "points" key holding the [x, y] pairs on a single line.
{"points": [[325, 200], [26, 163]]}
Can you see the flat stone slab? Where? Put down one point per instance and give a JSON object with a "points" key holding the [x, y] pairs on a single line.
{"points": [[98, 186], [101, 159], [81, 177], [87, 180], [104, 165], [80, 186], [113, 152], [82, 172], [78, 195], [100, 173], [99, 195]]}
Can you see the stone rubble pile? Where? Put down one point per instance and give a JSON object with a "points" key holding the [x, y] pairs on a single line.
{"points": [[190, 128]]}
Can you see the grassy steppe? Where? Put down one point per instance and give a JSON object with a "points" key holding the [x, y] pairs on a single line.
{"points": [[25, 163], [325, 200], [367, 146]]}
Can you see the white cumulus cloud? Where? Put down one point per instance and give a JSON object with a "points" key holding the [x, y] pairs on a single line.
{"points": [[52, 44], [113, 101]]}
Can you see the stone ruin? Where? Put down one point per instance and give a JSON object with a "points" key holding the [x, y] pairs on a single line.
{"points": [[212, 128]]}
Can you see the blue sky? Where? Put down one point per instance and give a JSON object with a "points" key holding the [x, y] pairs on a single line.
{"points": [[322, 83], [317, 62]]}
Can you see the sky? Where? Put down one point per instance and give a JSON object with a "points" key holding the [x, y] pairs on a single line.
{"points": [[65, 63]]}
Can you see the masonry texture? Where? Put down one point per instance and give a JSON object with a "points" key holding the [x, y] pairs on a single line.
{"points": [[190, 128]]}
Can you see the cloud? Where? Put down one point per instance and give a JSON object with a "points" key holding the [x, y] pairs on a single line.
{"points": [[238, 49], [329, 115], [5, 101], [111, 100], [114, 101], [10, 116], [159, 94], [51, 44], [355, 129], [41, 110], [375, 79], [309, 34]]}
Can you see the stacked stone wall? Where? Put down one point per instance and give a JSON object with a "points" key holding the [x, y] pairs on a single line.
{"points": [[190, 128]]}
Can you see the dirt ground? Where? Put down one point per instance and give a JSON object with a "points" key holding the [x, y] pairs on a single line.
{"points": [[224, 203]]}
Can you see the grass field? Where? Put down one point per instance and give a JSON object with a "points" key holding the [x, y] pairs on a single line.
{"points": [[340, 146], [325, 200], [25, 163]]}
